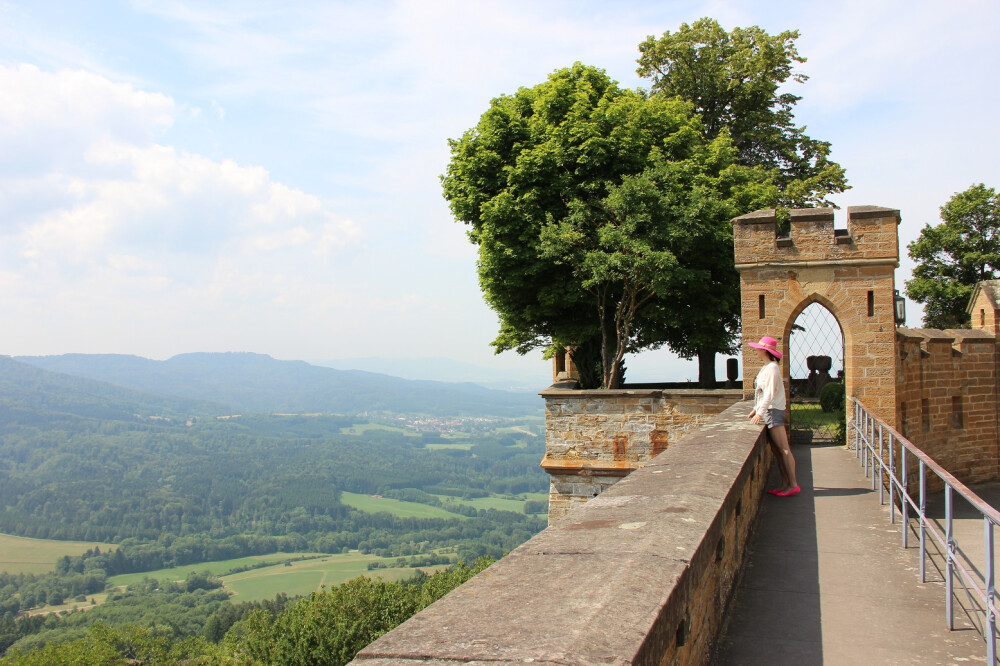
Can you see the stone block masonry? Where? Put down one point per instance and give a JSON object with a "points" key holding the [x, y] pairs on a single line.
{"points": [[640, 575], [947, 399], [848, 271], [593, 438]]}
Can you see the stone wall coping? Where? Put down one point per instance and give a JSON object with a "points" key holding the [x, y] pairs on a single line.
{"points": [[638, 393], [928, 334], [970, 334], [811, 215], [610, 583], [608, 467], [871, 212], [762, 216]]}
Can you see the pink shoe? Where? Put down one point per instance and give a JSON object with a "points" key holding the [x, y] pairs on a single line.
{"points": [[774, 491], [788, 493]]}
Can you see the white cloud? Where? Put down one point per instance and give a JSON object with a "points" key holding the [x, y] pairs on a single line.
{"points": [[128, 220]]}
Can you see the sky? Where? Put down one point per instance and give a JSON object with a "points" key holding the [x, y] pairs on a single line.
{"points": [[264, 176]]}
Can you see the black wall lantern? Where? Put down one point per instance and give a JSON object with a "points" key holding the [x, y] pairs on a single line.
{"points": [[899, 304]]}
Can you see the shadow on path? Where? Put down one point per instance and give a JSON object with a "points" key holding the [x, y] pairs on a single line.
{"points": [[827, 582]]}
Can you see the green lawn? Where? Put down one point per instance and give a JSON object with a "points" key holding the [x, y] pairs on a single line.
{"points": [[396, 507], [810, 416], [38, 556]]}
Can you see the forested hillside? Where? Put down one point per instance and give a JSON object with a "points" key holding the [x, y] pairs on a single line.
{"points": [[256, 383], [180, 481], [31, 395]]}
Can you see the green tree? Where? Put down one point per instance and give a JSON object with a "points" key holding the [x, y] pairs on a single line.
{"points": [[586, 201], [733, 80], [953, 256]]}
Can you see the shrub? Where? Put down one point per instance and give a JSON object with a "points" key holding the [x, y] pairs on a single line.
{"points": [[831, 397]]}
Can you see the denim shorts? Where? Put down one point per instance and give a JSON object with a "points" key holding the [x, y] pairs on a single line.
{"points": [[773, 417]]}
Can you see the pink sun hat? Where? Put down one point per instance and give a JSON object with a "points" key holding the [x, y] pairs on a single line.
{"points": [[767, 343]]}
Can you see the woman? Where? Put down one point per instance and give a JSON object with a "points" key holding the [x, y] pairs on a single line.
{"points": [[769, 409]]}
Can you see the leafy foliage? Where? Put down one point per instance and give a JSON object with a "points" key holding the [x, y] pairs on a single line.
{"points": [[954, 255], [733, 80], [832, 397], [589, 204], [326, 628]]}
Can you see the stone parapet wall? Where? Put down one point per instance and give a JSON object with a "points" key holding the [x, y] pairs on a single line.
{"points": [[593, 438], [640, 575], [947, 399]]}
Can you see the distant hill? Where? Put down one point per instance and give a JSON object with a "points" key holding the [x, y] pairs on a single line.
{"points": [[446, 370], [257, 383], [32, 395]]}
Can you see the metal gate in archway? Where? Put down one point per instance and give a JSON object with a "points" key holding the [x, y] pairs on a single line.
{"points": [[815, 360]]}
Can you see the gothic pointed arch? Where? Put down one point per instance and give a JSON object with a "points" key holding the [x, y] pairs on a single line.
{"points": [[851, 272]]}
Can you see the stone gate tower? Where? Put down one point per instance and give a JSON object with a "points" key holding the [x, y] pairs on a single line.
{"points": [[848, 271]]}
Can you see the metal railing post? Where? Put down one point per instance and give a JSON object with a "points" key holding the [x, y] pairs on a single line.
{"points": [[978, 584], [904, 496], [949, 555], [991, 620], [892, 484], [881, 487], [923, 518]]}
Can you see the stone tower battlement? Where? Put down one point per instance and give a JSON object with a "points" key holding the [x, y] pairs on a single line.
{"points": [[849, 271], [870, 236]]}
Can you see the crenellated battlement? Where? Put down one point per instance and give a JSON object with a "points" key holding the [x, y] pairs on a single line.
{"points": [[946, 398], [870, 237]]}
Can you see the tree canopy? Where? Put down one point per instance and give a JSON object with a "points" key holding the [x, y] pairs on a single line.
{"points": [[602, 214], [733, 79], [599, 213], [954, 255]]}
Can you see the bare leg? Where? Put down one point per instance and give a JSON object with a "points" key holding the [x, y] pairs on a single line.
{"points": [[780, 438], [780, 460]]}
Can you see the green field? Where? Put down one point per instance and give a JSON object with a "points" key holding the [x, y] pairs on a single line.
{"points": [[307, 576], [38, 556], [300, 577], [499, 503], [217, 568], [395, 507], [463, 445], [361, 428]]}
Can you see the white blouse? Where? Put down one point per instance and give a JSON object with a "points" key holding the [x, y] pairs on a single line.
{"points": [[769, 390]]}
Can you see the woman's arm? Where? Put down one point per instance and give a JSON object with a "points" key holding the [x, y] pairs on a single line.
{"points": [[769, 382]]}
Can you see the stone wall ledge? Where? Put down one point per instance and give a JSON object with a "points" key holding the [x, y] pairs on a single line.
{"points": [[553, 392], [639, 575]]}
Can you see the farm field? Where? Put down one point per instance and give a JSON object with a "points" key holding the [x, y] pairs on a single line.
{"points": [[38, 556], [309, 575], [361, 428], [98, 599], [395, 507], [463, 445], [299, 577], [499, 503], [217, 568]]}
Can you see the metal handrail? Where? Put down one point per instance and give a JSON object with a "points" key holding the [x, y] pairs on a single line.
{"points": [[871, 431]]}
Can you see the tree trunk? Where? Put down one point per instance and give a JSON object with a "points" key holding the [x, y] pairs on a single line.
{"points": [[706, 369]]}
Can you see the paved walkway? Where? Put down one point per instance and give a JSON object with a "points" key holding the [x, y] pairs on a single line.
{"points": [[827, 581]]}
